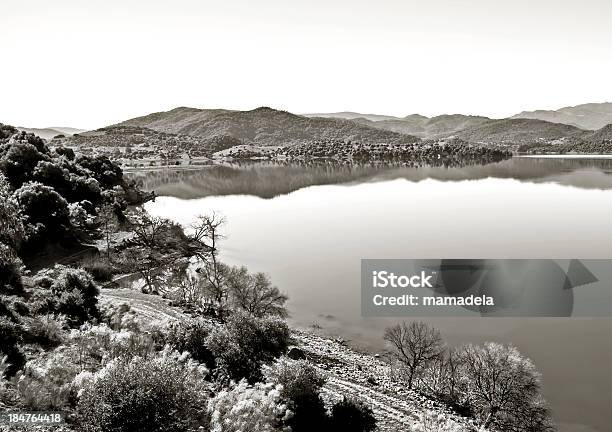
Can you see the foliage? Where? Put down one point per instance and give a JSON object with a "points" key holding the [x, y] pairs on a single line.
{"points": [[162, 393], [46, 330], [96, 345], [301, 385], [46, 381], [244, 343], [11, 224], [352, 416], [46, 212], [255, 294], [10, 337], [10, 271], [191, 336], [245, 408], [75, 294], [119, 316]]}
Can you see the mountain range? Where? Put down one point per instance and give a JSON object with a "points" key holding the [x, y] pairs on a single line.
{"points": [[265, 127], [50, 132], [219, 129]]}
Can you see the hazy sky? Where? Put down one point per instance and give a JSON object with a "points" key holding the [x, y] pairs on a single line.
{"points": [[92, 63]]}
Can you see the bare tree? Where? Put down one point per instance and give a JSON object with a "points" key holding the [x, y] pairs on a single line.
{"points": [[206, 233], [255, 294], [106, 216], [414, 345], [504, 388]]}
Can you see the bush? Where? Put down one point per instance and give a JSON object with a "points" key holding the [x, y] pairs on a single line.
{"points": [[10, 272], [244, 343], [190, 336], [100, 271], [11, 223], [76, 294], [164, 393], [46, 212], [98, 344], [45, 330], [245, 408], [301, 384], [10, 336], [119, 316], [352, 416], [66, 152], [46, 382]]}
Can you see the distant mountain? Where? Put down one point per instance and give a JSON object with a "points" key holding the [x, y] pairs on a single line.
{"points": [[425, 127], [50, 132], [349, 115], [265, 127], [519, 131], [414, 124], [590, 116]]}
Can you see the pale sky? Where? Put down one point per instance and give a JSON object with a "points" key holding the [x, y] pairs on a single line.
{"points": [[88, 64]]}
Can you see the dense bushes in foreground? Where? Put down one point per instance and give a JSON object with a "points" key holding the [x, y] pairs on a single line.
{"points": [[163, 393]]}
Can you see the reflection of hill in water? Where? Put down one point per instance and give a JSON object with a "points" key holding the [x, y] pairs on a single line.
{"points": [[267, 180]]}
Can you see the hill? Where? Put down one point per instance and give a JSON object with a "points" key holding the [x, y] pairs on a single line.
{"points": [[603, 134], [350, 115], [140, 142], [513, 132], [50, 132], [264, 127], [590, 116], [416, 124], [598, 142]]}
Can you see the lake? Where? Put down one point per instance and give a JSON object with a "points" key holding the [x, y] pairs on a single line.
{"points": [[309, 225]]}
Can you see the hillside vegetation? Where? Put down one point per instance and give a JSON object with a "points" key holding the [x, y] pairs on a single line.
{"points": [[425, 127], [598, 142], [264, 127], [591, 116]]}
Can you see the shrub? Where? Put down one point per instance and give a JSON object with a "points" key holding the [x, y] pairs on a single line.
{"points": [[46, 212], [119, 316], [11, 224], [10, 336], [164, 393], [46, 382], [76, 294], [352, 416], [67, 152], [10, 272], [244, 343], [301, 384], [190, 336], [96, 345], [45, 330], [19, 161], [100, 271], [245, 408]]}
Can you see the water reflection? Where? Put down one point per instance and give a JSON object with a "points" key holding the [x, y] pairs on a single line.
{"points": [[268, 179]]}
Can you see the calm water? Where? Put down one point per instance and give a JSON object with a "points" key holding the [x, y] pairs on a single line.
{"points": [[309, 227]]}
